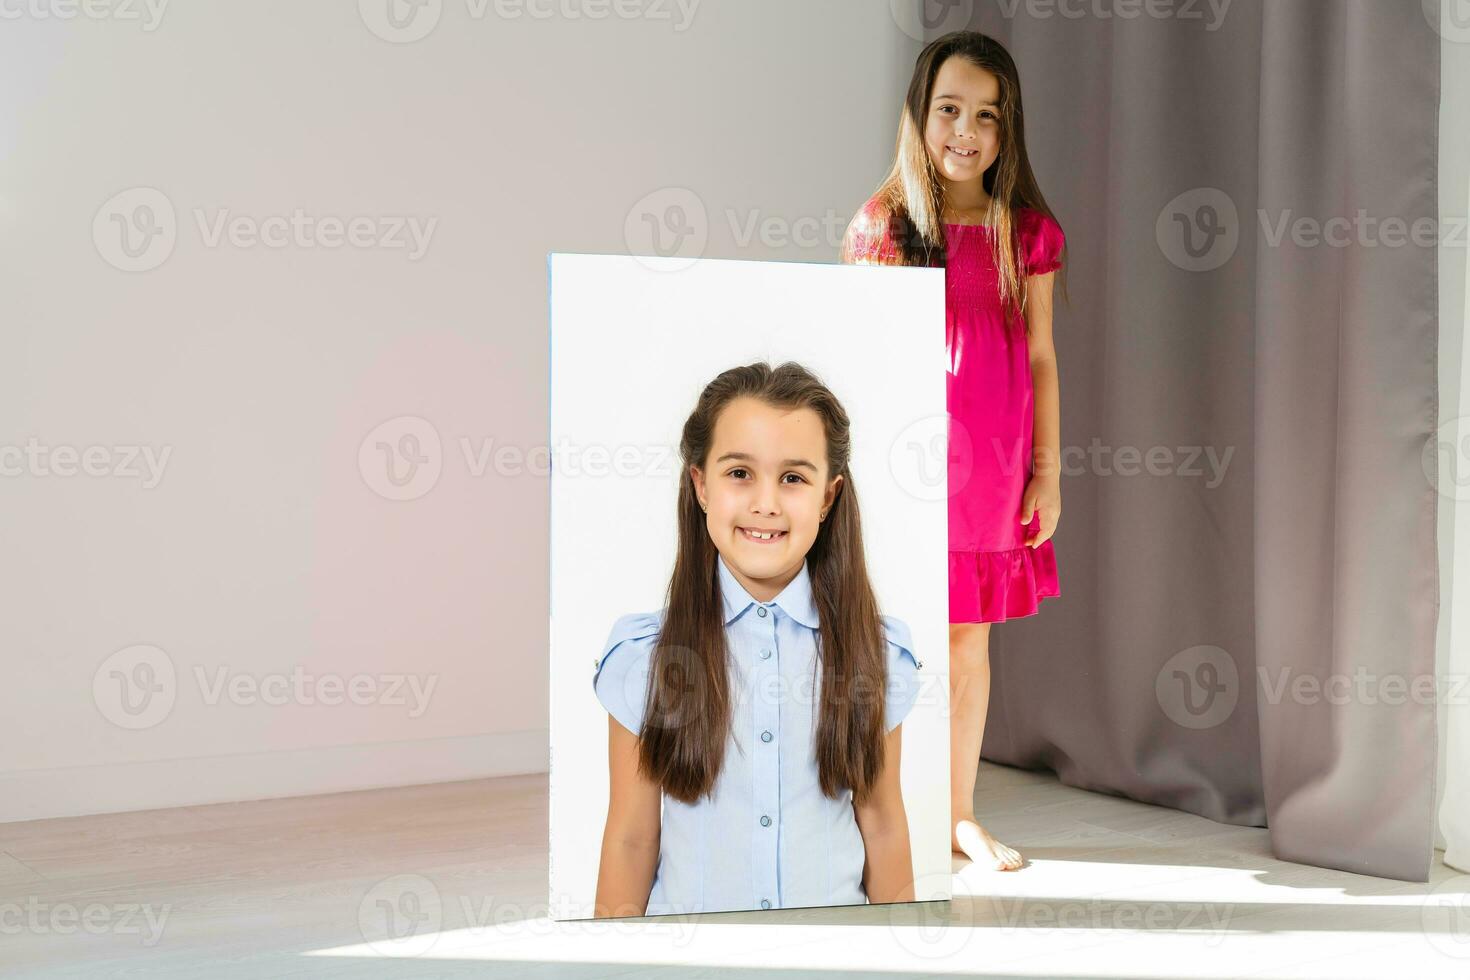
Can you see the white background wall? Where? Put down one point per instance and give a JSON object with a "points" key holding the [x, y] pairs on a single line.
{"points": [[876, 338], [267, 543]]}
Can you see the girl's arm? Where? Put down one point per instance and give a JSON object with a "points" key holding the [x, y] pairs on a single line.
{"points": [[1043, 492], [888, 874], [631, 836]]}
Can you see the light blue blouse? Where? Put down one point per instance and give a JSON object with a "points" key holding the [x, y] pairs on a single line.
{"points": [[768, 838]]}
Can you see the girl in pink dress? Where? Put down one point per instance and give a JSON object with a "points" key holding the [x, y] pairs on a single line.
{"points": [[961, 195]]}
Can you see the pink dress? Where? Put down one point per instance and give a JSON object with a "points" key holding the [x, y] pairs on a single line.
{"points": [[993, 575]]}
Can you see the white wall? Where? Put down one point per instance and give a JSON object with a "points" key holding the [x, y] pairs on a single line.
{"points": [[266, 540]]}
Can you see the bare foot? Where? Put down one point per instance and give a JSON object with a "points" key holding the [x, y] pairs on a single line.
{"points": [[975, 842]]}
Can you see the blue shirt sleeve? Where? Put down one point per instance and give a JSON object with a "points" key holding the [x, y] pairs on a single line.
{"points": [[620, 680], [903, 672]]}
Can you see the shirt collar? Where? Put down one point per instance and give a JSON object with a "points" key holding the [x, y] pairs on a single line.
{"points": [[795, 600]]}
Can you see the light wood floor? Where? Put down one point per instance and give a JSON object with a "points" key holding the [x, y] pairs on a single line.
{"points": [[310, 887]]}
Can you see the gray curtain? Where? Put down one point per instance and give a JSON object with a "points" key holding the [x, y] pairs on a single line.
{"points": [[1250, 517]]}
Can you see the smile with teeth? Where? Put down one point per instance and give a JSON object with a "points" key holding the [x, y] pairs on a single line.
{"points": [[957, 151], [751, 535]]}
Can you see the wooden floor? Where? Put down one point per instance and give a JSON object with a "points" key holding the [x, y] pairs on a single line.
{"points": [[312, 887]]}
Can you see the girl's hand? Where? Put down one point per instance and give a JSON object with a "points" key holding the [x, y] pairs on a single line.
{"points": [[1044, 495]]}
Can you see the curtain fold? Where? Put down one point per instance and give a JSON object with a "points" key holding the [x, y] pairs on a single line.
{"points": [[1247, 550], [1452, 459]]}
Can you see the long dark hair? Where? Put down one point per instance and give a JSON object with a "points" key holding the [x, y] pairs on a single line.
{"points": [[688, 705], [908, 205]]}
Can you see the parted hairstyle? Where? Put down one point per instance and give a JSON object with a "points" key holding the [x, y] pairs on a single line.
{"points": [[909, 204], [688, 703]]}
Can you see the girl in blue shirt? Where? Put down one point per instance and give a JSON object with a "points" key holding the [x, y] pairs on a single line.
{"points": [[754, 721]]}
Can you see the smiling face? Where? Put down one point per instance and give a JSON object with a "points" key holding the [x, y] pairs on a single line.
{"points": [[962, 128], [765, 490]]}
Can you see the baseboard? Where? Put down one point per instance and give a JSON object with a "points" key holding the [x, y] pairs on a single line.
{"points": [[81, 790]]}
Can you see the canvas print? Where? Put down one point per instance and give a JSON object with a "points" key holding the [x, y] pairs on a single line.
{"points": [[748, 552]]}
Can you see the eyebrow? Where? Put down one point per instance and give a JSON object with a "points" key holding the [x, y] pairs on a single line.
{"points": [[749, 458], [957, 99]]}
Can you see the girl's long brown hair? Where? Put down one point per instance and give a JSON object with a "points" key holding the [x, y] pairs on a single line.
{"points": [[688, 714], [908, 205]]}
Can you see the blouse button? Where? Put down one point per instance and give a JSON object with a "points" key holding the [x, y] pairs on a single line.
{"points": [[765, 655], [765, 736], [761, 612], [765, 820], [765, 903]]}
